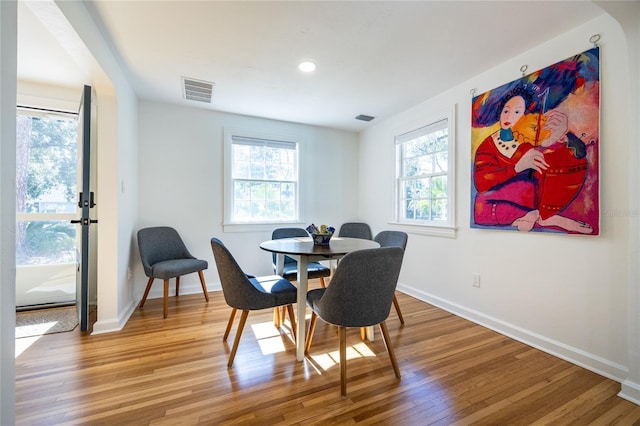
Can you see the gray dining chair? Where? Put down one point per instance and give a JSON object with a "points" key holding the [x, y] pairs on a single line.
{"points": [[360, 295], [355, 230], [393, 239], [249, 294], [315, 270], [165, 256]]}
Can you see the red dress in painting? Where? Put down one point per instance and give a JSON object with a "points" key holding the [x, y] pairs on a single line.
{"points": [[504, 195]]}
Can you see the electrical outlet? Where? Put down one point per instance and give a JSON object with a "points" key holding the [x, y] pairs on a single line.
{"points": [[476, 280]]}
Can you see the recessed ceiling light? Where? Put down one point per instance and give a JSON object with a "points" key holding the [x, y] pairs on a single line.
{"points": [[307, 66]]}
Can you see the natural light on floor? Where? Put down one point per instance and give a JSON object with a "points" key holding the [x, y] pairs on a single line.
{"points": [[24, 343], [27, 335], [269, 337], [270, 340], [36, 329], [331, 359]]}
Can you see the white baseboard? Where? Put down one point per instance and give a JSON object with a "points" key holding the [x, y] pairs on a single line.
{"points": [[630, 391], [108, 325], [591, 362]]}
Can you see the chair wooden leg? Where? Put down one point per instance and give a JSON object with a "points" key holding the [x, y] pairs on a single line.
{"points": [[342, 331], [363, 333], [165, 305], [387, 342], [146, 292], [322, 283], [276, 317], [177, 286], [397, 306], [204, 285], [229, 324], [232, 355], [292, 319], [312, 329]]}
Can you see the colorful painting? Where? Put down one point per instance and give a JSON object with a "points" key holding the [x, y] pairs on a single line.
{"points": [[534, 150]]}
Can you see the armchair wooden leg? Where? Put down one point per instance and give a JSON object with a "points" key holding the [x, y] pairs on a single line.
{"points": [[165, 305], [387, 342], [397, 306], [342, 331], [312, 329], [243, 320], [204, 286], [292, 319], [322, 283], [177, 286], [146, 292], [229, 324]]}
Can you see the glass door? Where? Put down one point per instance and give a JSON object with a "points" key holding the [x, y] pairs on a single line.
{"points": [[46, 191]]}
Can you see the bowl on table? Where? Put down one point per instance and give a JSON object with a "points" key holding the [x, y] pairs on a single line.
{"points": [[321, 239]]}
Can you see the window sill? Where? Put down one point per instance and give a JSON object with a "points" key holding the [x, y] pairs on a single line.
{"points": [[432, 231]]}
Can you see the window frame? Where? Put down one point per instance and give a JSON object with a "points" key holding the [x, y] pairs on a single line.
{"points": [[229, 223], [427, 227]]}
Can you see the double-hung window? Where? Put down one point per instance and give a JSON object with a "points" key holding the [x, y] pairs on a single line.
{"points": [[262, 184], [425, 175]]}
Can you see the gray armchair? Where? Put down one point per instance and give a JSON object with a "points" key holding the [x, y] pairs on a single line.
{"points": [[164, 256], [393, 239], [249, 293], [356, 230], [360, 295]]}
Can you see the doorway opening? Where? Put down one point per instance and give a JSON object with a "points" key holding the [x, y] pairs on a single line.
{"points": [[46, 188]]}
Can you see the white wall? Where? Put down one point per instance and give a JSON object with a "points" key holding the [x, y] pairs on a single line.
{"points": [[8, 64], [116, 197], [565, 294], [628, 15], [181, 173]]}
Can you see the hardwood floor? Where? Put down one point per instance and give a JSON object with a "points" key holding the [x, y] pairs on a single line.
{"points": [[173, 372]]}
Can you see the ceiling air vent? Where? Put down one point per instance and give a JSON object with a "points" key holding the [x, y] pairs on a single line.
{"points": [[197, 90], [364, 117]]}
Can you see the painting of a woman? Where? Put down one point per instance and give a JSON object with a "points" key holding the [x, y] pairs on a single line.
{"points": [[532, 171]]}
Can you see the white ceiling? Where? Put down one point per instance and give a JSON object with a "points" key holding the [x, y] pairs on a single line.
{"points": [[375, 58]]}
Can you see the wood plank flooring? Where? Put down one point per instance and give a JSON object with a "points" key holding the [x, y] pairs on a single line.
{"points": [[173, 372]]}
